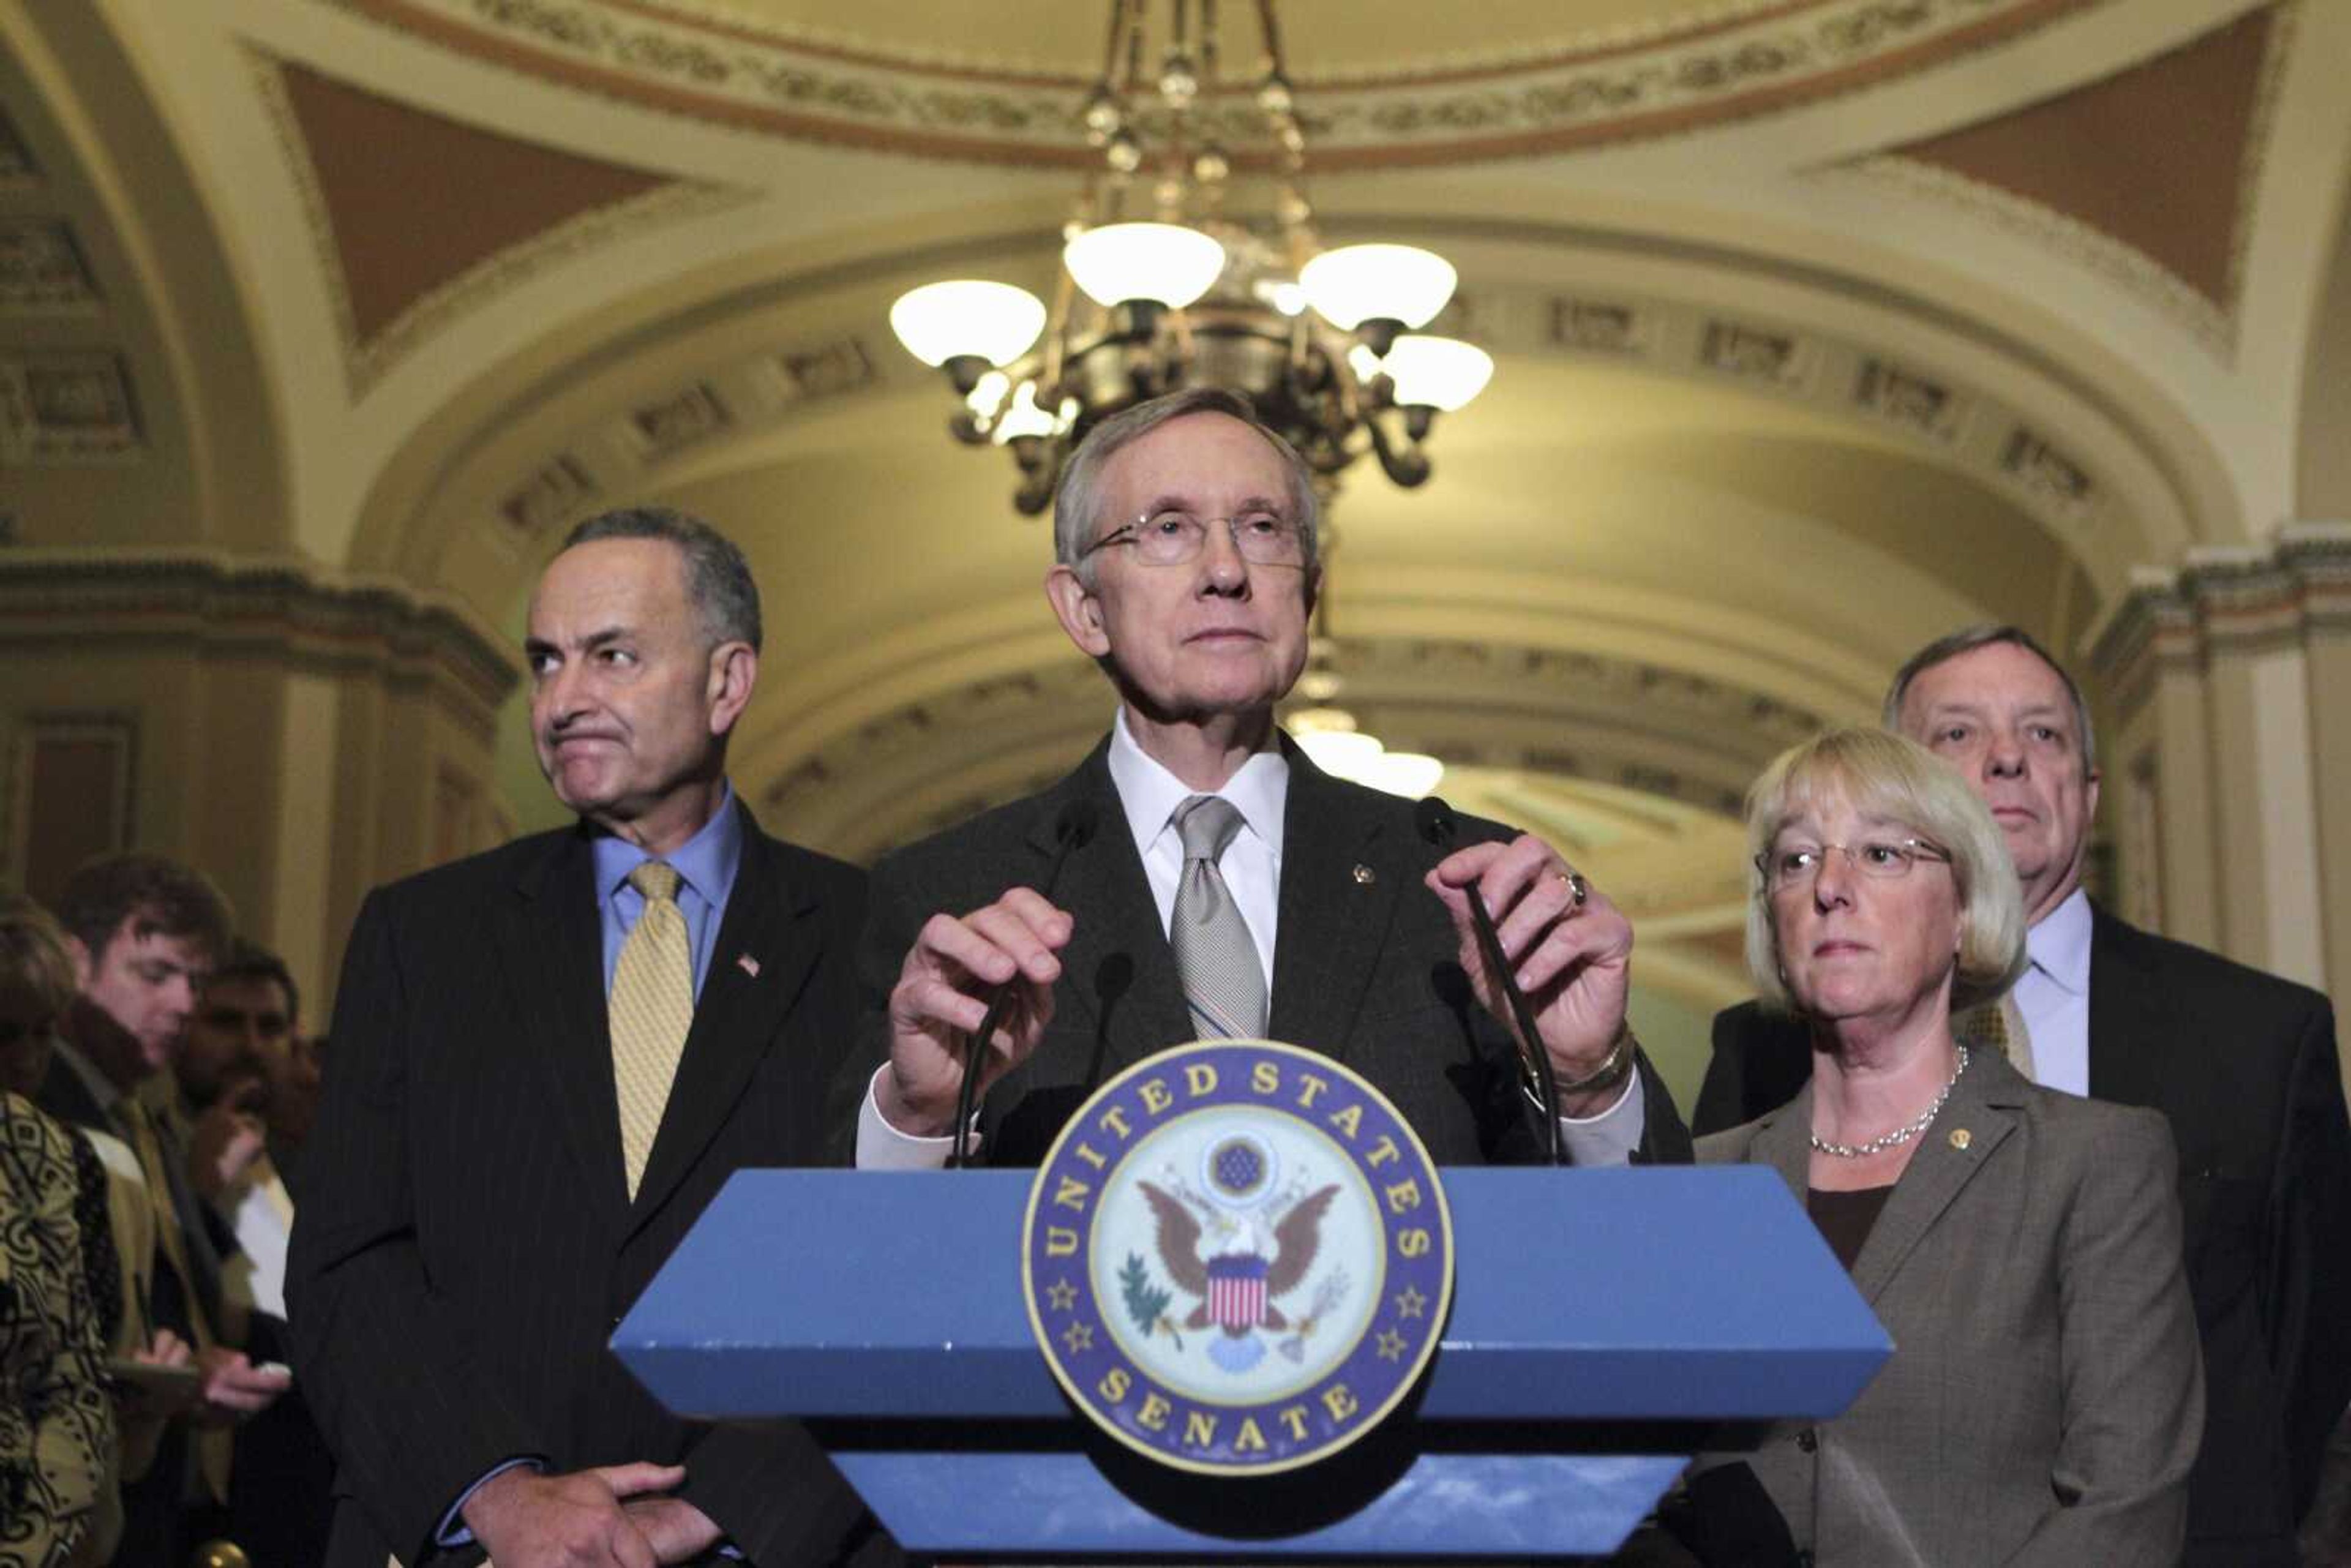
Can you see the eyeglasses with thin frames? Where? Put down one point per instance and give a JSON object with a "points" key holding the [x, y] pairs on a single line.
{"points": [[1177, 538], [1881, 860]]}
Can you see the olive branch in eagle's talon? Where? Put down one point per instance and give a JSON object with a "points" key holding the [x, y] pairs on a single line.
{"points": [[1147, 1303]]}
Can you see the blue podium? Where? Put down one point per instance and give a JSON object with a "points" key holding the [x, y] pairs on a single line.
{"points": [[1604, 1323]]}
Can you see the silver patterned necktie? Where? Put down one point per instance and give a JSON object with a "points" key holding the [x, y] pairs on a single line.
{"points": [[1224, 983]]}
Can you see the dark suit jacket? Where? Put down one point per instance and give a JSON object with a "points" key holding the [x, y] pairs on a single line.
{"points": [[2244, 1066], [1365, 967], [2043, 1403], [465, 1245]]}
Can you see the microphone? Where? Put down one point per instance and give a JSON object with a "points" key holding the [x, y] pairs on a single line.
{"points": [[1073, 829], [1439, 827]]}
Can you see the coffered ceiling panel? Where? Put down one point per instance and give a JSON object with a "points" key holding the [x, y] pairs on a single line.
{"points": [[420, 216], [2158, 160]]}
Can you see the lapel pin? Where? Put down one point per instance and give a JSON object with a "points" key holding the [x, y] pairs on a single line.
{"points": [[748, 965], [1960, 1139], [1365, 876]]}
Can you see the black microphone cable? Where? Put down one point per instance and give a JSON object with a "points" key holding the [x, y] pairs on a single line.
{"points": [[1072, 829], [1439, 827]]}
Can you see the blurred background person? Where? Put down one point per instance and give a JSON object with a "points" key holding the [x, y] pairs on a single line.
{"points": [[240, 1050], [142, 932], [292, 1108], [58, 1501], [2021, 1246]]}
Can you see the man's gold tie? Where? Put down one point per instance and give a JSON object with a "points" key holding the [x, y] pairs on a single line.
{"points": [[213, 1446], [1999, 1026], [651, 1009], [148, 1146]]}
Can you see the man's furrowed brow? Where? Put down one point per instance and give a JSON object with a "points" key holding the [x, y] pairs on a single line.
{"points": [[533, 647]]}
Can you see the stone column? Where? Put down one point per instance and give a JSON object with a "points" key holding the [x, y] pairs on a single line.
{"points": [[2229, 771]]}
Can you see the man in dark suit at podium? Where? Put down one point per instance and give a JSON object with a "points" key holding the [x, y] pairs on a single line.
{"points": [[1228, 887], [2243, 1063], [547, 1059]]}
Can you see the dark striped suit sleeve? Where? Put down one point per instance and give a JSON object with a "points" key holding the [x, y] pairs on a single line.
{"points": [[392, 1371]]}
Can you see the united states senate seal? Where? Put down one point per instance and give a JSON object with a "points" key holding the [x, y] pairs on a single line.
{"points": [[1238, 1257]]}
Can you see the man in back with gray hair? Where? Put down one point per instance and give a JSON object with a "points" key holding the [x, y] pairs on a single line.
{"points": [[2243, 1063], [547, 1059]]}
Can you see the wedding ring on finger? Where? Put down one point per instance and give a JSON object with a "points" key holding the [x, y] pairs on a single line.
{"points": [[1579, 891]]}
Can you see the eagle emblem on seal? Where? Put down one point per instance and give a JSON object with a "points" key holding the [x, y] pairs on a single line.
{"points": [[1237, 1284]]}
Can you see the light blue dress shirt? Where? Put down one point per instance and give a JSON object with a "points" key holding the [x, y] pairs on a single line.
{"points": [[706, 864]]}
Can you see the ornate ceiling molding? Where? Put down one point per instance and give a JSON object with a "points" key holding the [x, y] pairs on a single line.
{"points": [[288, 609], [765, 79], [43, 272], [1840, 374], [966, 746], [69, 409]]}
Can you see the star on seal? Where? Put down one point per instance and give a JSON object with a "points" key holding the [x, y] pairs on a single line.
{"points": [[1078, 1337], [1411, 1303], [1062, 1294], [1390, 1345]]}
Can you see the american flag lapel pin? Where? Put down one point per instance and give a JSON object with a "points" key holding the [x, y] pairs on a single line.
{"points": [[748, 965]]}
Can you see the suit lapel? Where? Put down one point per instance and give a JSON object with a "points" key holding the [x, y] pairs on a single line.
{"points": [[1784, 1143], [771, 921], [1332, 921], [550, 942], [1982, 1106], [1118, 965], [2127, 1023]]}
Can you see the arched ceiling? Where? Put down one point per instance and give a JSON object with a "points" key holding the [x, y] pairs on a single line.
{"points": [[1821, 325]]}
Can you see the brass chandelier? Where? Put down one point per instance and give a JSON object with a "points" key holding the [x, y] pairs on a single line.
{"points": [[1162, 286]]}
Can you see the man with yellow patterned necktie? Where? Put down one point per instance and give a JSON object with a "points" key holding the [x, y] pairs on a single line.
{"points": [[547, 1059]]}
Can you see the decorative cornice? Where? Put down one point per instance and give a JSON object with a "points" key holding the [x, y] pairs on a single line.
{"points": [[287, 608], [2212, 324], [2231, 600], [1729, 66]]}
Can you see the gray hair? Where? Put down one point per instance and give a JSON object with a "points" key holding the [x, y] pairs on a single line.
{"points": [[717, 578], [1078, 501], [1879, 773], [1967, 640]]}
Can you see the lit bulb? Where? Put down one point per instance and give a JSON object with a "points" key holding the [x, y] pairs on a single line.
{"points": [[994, 321]]}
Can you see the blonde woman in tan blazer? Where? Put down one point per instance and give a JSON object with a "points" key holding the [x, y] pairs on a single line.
{"points": [[2021, 1246]]}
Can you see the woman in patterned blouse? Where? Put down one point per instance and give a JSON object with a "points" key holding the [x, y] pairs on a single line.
{"points": [[57, 1421]]}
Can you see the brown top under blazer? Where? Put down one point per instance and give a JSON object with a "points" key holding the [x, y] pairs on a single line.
{"points": [[2045, 1396]]}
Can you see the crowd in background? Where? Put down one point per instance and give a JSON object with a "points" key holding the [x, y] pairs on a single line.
{"points": [[160, 1090]]}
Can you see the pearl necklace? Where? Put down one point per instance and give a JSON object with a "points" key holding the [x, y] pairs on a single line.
{"points": [[1901, 1135]]}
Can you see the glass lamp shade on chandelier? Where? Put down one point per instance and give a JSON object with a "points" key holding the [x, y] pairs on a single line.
{"points": [[1163, 285]]}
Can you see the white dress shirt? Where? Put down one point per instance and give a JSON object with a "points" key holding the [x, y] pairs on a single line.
{"points": [[2054, 996], [1251, 866], [261, 1214]]}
